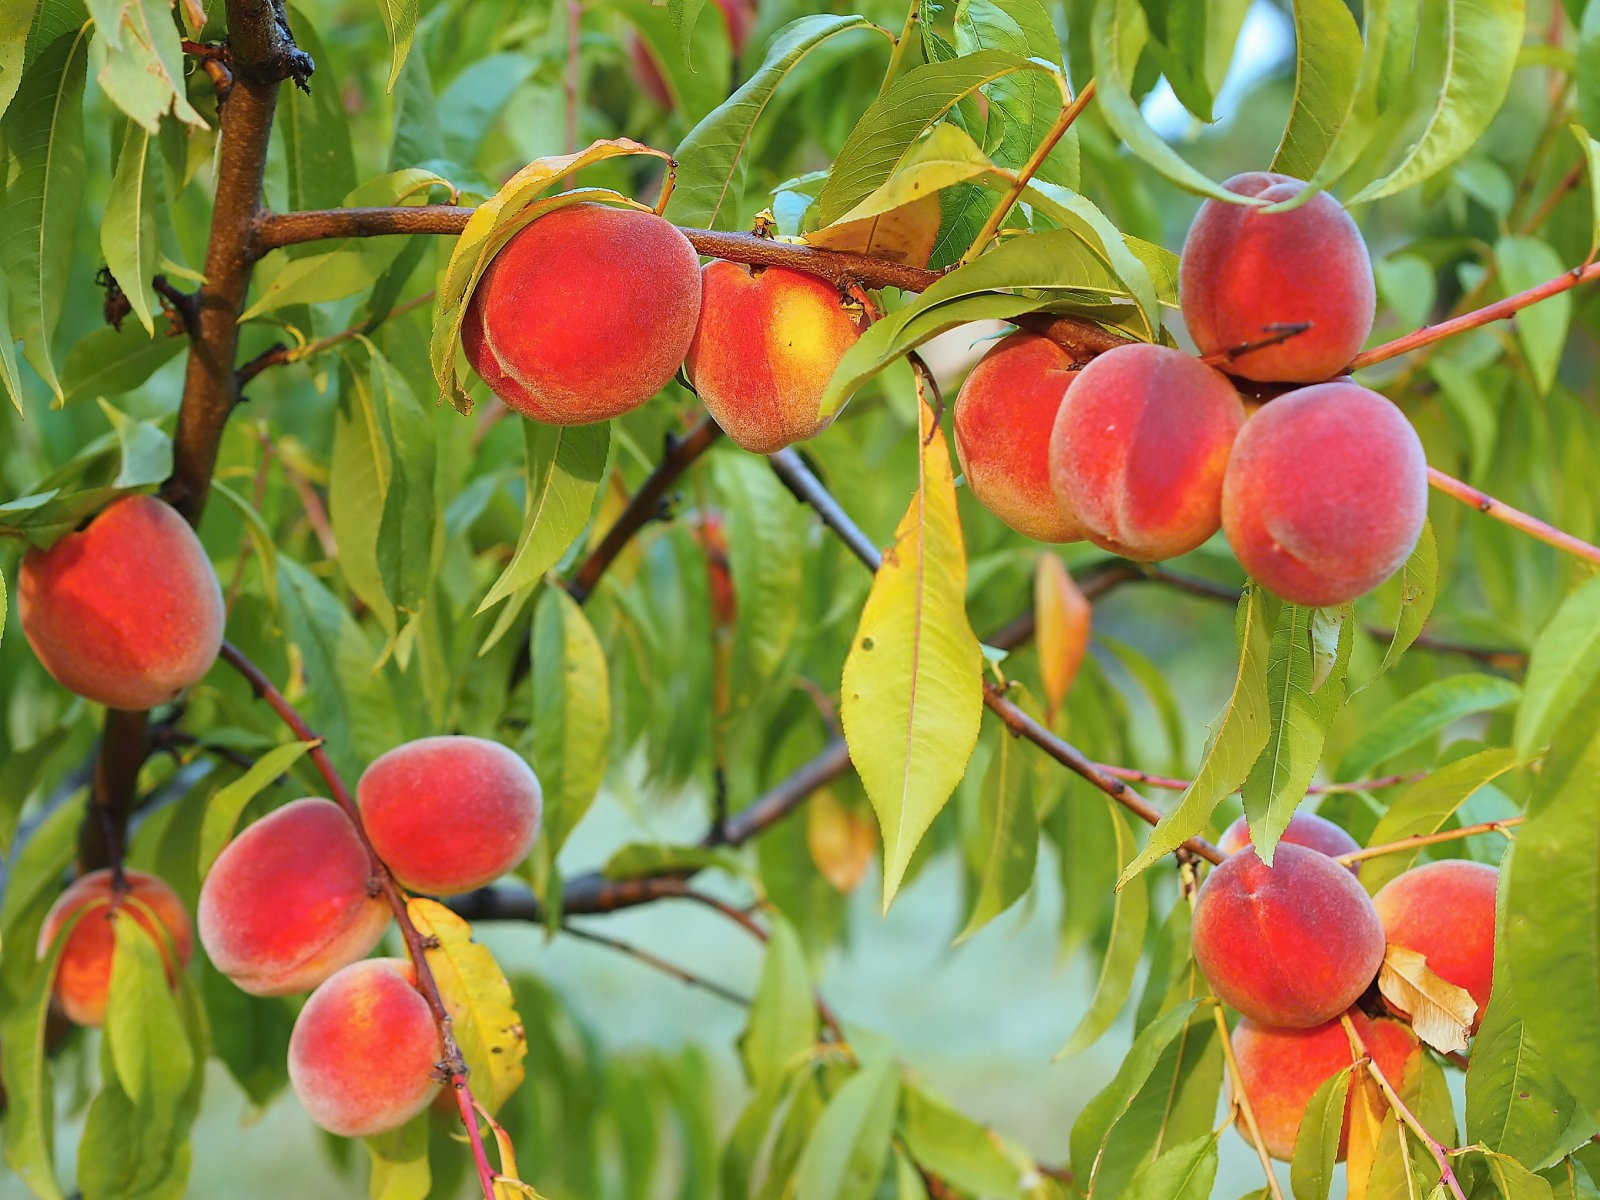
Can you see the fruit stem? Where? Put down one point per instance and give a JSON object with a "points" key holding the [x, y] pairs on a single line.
{"points": [[1417, 840], [1501, 511], [1243, 1102]]}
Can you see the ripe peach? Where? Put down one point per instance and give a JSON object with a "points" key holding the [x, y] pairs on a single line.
{"points": [[83, 975], [1003, 417], [126, 612], [291, 900], [1244, 271], [1445, 912], [764, 350], [584, 314], [1292, 944], [449, 814], [1304, 829], [364, 1050], [1326, 493], [1139, 447], [1281, 1070]]}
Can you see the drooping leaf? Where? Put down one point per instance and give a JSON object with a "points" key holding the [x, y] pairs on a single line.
{"points": [[128, 229], [1431, 708], [1526, 262], [143, 74], [958, 1149], [1419, 588], [1440, 1012], [1008, 837], [850, 1144], [15, 18], [1328, 61], [1316, 1148], [400, 18], [224, 806], [571, 713], [1185, 1172], [1564, 664], [1129, 918], [783, 1019], [400, 1169]]}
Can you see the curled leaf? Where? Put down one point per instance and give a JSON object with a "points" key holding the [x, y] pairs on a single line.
{"points": [[1440, 1012]]}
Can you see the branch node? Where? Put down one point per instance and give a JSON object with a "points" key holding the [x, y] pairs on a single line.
{"points": [[183, 307]]}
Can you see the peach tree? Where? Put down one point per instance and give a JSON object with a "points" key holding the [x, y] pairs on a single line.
{"points": [[849, 432]]}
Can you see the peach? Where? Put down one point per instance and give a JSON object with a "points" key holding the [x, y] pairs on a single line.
{"points": [[1292, 944], [1445, 912], [291, 900], [126, 612], [1003, 417], [1304, 829], [584, 314], [1139, 448], [1280, 1071], [449, 814], [83, 975], [1325, 494], [364, 1053], [764, 350], [1244, 271]]}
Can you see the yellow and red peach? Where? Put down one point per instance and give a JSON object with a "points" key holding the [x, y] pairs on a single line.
{"points": [[126, 612], [1326, 493], [1288, 945], [1245, 272], [451, 813], [1280, 1071], [1445, 912], [1003, 417], [1304, 829], [584, 314], [364, 1051], [83, 974], [291, 900], [765, 347], [1139, 447]]}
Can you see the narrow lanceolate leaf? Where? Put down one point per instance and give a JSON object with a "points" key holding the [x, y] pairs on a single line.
{"points": [[571, 713], [1425, 806], [1515, 1102], [846, 1153], [564, 465], [1564, 664], [1591, 152], [783, 1017], [1423, 714], [959, 1150], [1130, 915], [225, 805], [1316, 1148], [1236, 741], [15, 18], [1419, 588], [1526, 262], [30, 1103], [1185, 1172], [1441, 1012], [400, 19], [1478, 43], [1061, 621], [1328, 57], [10, 380], [711, 157], [128, 229], [1008, 837], [478, 999], [1512, 1180], [44, 196], [912, 696], [1305, 690]]}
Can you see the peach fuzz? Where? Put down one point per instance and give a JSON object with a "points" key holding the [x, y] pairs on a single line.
{"points": [[1281, 1069], [1290, 945], [1139, 448], [83, 974], [765, 347], [1304, 829], [1325, 494], [364, 1051], [126, 612], [451, 813], [1003, 417], [1244, 271], [1445, 912], [584, 314], [291, 900]]}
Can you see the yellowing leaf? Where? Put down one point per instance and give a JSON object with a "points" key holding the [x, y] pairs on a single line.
{"points": [[1061, 621], [1441, 1013], [1368, 1111], [840, 841], [906, 234], [912, 695], [479, 1001]]}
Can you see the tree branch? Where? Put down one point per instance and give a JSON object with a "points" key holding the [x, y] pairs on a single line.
{"points": [[682, 974], [1523, 522]]}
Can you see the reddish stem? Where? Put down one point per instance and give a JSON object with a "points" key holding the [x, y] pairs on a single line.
{"points": [[1501, 511]]}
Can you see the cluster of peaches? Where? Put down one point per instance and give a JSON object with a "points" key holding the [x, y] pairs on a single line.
{"points": [[1293, 946], [128, 613]]}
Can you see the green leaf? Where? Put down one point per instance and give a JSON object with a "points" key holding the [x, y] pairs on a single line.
{"points": [[1425, 806], [128, 229], [1422, 714], [958, 1149], [1419, 588], [9, 376], [571, 713], [1591, 153], [1526, 262], [1130, 915], [314, 279], [1515, 1103], [1512, 1180], [564, 465], [260, 536], [710, 158], [1316, 1148], [409, 536], [911, 698], [1564, 664], [1022, 107], [400, 1168], [319, 161], [1184, 1172], [1008, 837], [1236, 740], [1478, 42], [1328, 62], [145, 451], [44, 195], [145, 1035], [15, 18], [110, 362], [639, 859], [30, 1112], [767, 538], [400, 19], [228, 802], [846, 1153], [783, 1018], [139, 64]]}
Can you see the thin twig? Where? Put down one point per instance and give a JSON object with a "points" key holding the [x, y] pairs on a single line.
{"points": [[281, 355], [1171, 784], [1418, 840], [1242, 1101], [1501, 511], [1441, 1157], [682, 974]]}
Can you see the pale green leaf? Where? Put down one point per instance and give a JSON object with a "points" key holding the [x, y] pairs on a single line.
{"points": [[15, 18], [1422, 714], [1526, 262], [571, 713], [400, 1168], [1316, 1148], [400, 19], [1008, 837], [1185, 1172], [1564, 663], [1419, 588], [1328, 61], [1129, 918], [849, 1146], [128, 229], [958, 1149], [783, 1019], [225, 805], [139, 65]]}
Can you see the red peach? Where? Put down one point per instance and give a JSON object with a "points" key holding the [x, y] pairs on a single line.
{"points": [[1445, 912], [1304, 829]]}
